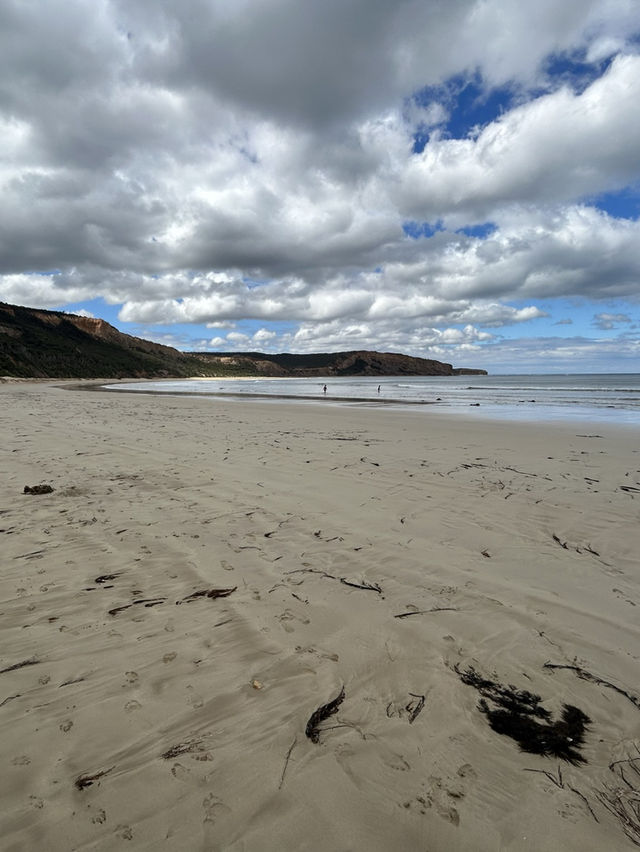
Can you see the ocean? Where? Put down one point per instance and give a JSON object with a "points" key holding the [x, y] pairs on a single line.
{"points": [[585, 398]]}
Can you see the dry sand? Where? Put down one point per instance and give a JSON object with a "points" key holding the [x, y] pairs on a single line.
{"points": [[132, 720]]}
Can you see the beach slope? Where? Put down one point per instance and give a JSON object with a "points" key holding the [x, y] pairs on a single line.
{"points": [[244, 626]]}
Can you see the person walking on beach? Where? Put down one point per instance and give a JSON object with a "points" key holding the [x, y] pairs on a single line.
{"points": [[378, 388], [324, 389]]}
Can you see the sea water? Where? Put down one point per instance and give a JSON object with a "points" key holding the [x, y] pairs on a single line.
{"points": [[597, 397]]}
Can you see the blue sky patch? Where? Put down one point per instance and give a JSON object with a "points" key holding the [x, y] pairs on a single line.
{"points": [[421, 230]]}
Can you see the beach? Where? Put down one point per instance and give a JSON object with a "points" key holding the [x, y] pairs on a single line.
{"points": [[181, 614]]}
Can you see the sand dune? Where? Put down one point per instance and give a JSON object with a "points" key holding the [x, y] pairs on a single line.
{"points": [[383, 552]]}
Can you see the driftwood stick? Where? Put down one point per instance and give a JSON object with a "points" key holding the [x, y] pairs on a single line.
{"points": [[286, 762], [426, 611]]}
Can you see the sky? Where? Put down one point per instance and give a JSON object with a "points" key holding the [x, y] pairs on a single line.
{"points": [[455, 180]]}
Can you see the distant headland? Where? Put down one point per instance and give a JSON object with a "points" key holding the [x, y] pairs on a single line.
{"points": [[52, 344]]}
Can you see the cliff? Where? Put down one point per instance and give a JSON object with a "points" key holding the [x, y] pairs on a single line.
{"points": [[352, 363], [52, 344]]}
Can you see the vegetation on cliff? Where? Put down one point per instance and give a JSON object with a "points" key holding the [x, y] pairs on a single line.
{"points": [[52, 344]]}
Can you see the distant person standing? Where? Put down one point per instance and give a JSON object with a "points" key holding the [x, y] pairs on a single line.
{"points": [[324, 389], [378, 388]]}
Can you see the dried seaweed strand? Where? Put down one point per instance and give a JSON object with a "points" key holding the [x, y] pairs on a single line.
{"points": [[207, 593], [557, 781], [417, 709], [30, 662], [583, 674], [182, 748], [367, 587], [585, 800], [620, 806], [83, 781]]}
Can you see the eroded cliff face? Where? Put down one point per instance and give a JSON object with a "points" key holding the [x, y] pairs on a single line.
{"points": [[52, 344]]}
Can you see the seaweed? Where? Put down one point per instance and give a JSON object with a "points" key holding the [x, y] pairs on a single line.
{"points": [[323, 712], [414, 708], [367, 587], [146, 602], [84, 781], [207, 593], [31, 662], [38, 489], [517, 713], [622, 797], [188, 747], [583, 674]]}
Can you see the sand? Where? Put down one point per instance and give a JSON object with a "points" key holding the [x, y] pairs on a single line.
{"points": [[134, 717]]}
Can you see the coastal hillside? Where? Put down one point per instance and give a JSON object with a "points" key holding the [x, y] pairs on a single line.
{"points": [[53, 344], [353, 363]]}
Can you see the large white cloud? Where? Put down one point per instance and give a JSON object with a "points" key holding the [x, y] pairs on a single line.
{"points": [[559, 146]]}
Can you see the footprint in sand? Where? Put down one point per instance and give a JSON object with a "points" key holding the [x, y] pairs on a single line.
{"points": [[131, 677], [180, 772], [214, 808], [398, 763], [131, 706], [443, 794], [66, 726], [21, 760], [124, 832], [99, 818], [286, 617], [467, 771], [321, 655], [169, 658]]}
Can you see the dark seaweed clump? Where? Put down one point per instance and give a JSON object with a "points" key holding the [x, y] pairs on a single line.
{"points": [[517, 713], [323, 712]]}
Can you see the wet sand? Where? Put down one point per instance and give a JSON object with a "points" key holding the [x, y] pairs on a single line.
{"points": [[206, 575]]}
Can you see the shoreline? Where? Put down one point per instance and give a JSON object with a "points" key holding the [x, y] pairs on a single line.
{"points": [[382, 551], [542, 414]]}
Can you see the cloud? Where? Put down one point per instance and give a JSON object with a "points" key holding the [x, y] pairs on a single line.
{"points": [[449, 278], [197, 162], [576, 354], [606, 321], [530, 153]]}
